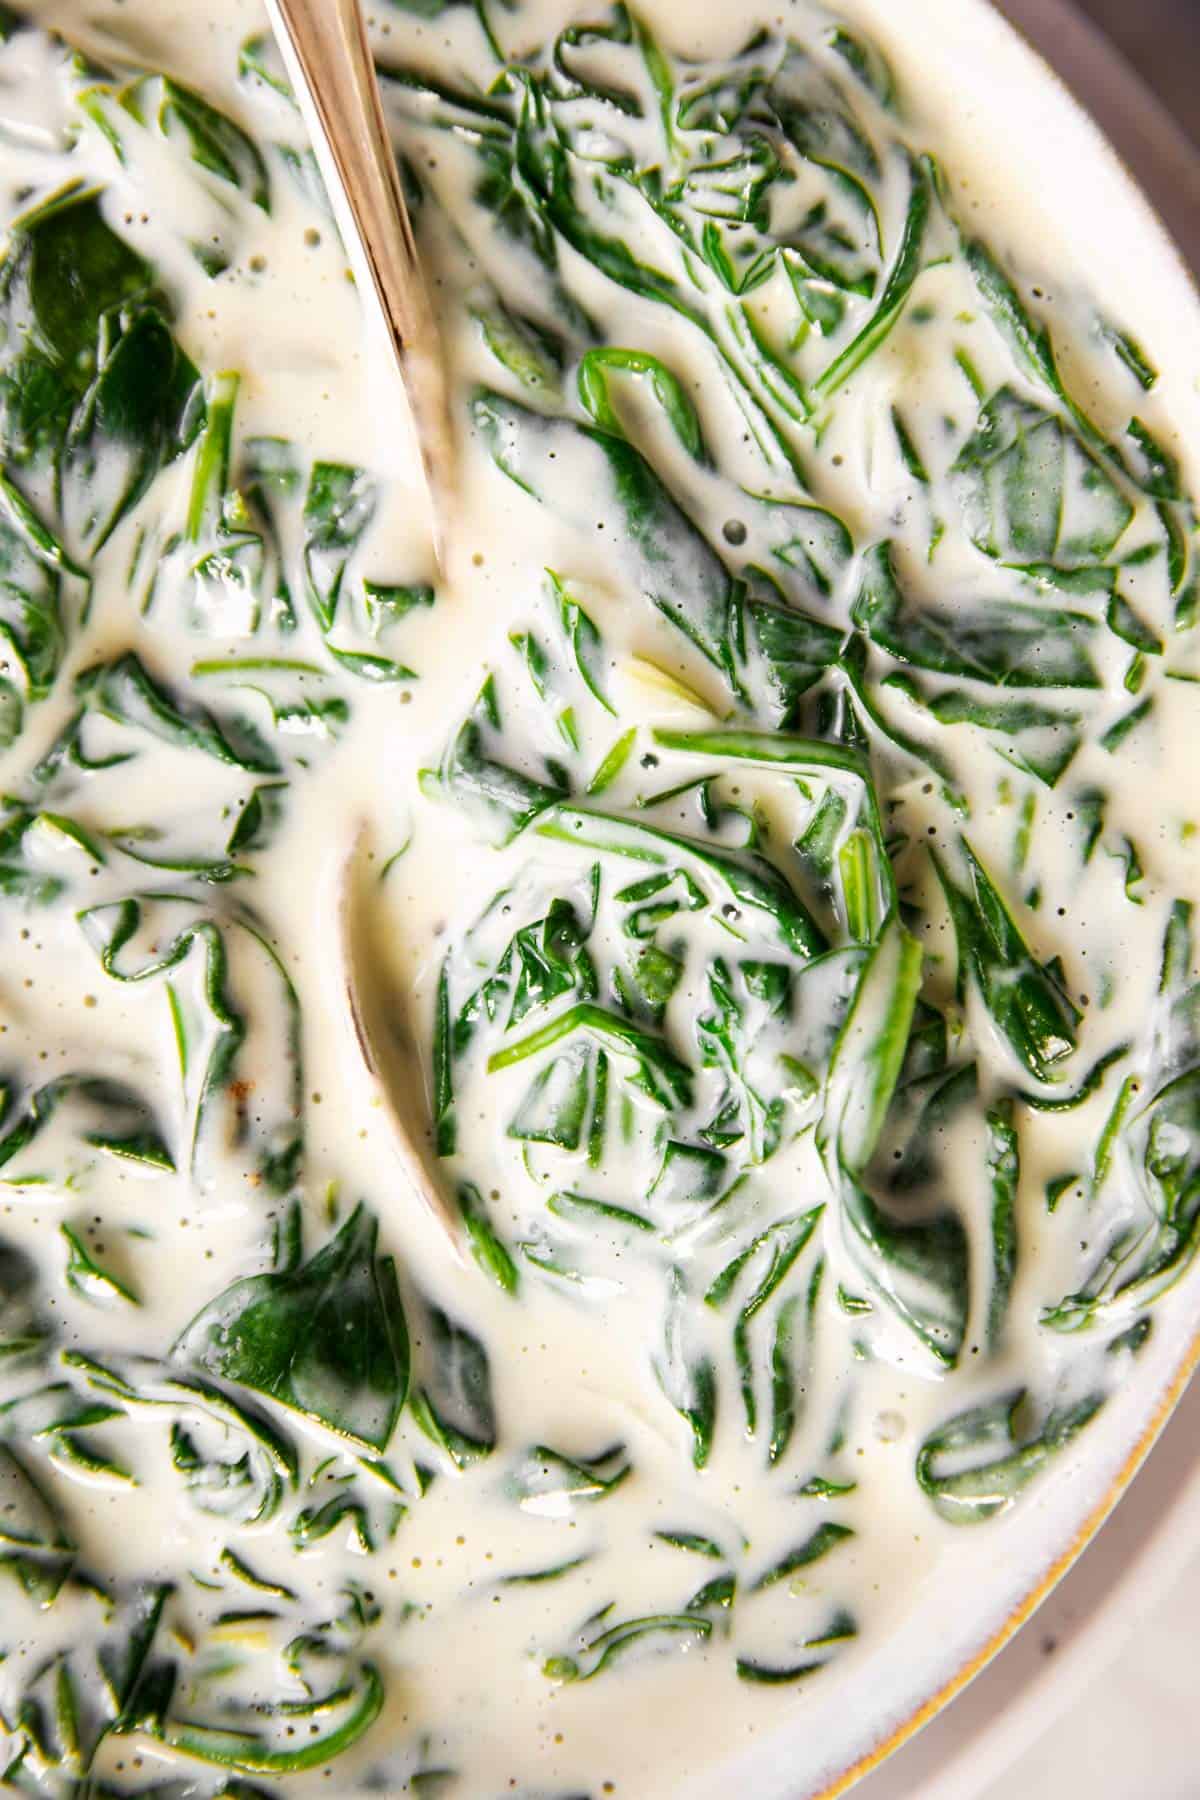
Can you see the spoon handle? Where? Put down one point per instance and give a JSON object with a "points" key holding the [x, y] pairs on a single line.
{"points": [[328, 59]]}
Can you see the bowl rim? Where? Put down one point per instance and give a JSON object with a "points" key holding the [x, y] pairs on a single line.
{"points": [[1169, 1395], [1033, 1597]]}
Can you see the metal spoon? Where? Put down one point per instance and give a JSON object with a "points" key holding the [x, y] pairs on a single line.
{"points": [[390, 1061], [328, 58]]}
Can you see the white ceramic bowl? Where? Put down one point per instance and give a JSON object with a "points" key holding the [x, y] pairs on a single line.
{"points": [[1003, 120], [1056, 1674]]}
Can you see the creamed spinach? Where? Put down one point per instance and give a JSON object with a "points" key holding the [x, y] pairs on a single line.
{"points": [[772, 928]]}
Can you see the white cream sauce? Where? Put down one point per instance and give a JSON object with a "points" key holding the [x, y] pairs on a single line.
{"points": [[462, 1646]]}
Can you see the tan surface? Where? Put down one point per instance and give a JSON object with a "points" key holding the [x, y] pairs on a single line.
{"points": [[1161, 38], [1164, 37]]}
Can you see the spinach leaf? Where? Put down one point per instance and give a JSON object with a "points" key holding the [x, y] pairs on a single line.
{"points": [[662, 1075], [134, 1670], [336, 1502], [771, 1255], [871, 877], [87, 1278], [780, 654], [148, 937], [919, 1268], [64, 273], [688, 1377], [1040, 739], [1004, 643], [1152, 1235], [503, 798], [598, 1649], [583, 637], [870, 1049], [670, 393], [487, 1247], [94, 390], [568, 467], [89, 1111], [1027, 1000], [744, 879], [25, 836], [234, 1462], [1032, 494], [527, 350], [126, 692], [542, 1480], [453, 1404], [905, 268], [791, 1364], [214, 141], [974, 1467], [328, 1338], [338, 507], [34, 1547], [260, 1738], [140, 412], [23, 1333], [1004, 1174], [823, 1540]]}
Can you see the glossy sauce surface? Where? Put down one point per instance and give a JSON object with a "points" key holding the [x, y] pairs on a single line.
{"points": [[769, 855]]}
